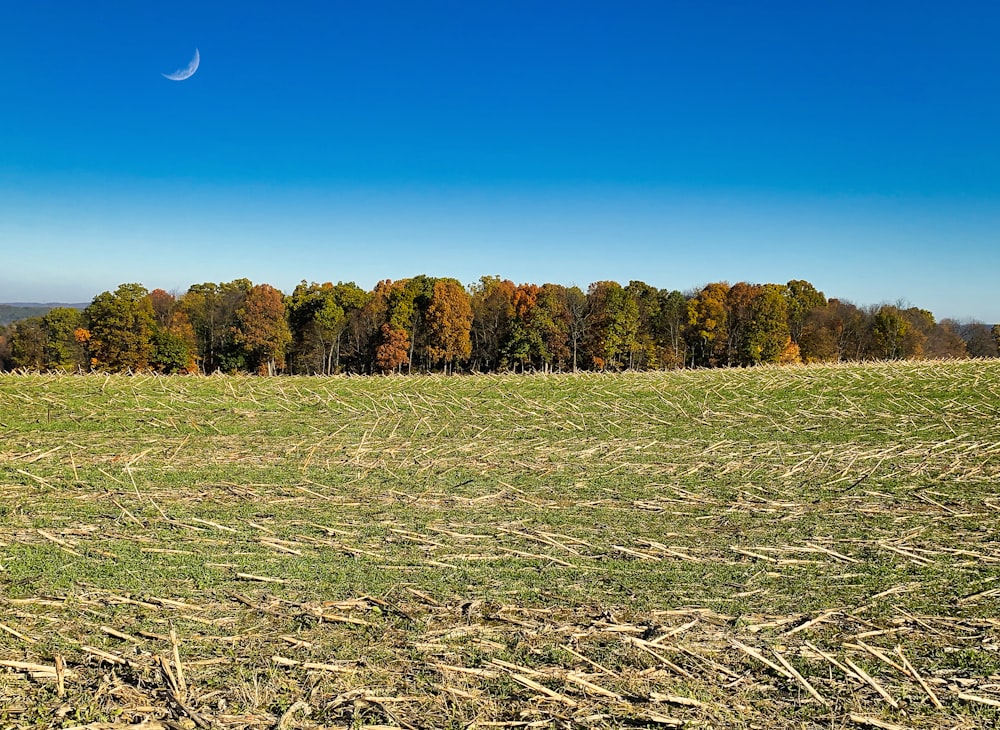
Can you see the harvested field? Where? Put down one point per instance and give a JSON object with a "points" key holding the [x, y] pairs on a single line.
{"points": [[767, 548]]}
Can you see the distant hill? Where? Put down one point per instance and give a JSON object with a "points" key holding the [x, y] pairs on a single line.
{"points": [[15, 311]]}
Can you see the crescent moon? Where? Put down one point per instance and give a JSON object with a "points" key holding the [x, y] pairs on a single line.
{"points": [[185, 73]]}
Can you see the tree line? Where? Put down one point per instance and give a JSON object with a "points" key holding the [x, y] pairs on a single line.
{"points": [[432, 324]]}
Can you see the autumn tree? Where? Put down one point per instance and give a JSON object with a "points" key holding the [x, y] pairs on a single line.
{"points": [[767, 339], [838, 331], [406, 302], [921, 328], [523, 343], [492, 302], [945, 341], [174, 339], [552, 321], [393, 350], [402, 305], [164, 305], [261, 329], [707, 330], [121, 328], [449, 323], [978, 337], [646, 353], [739, 304]]}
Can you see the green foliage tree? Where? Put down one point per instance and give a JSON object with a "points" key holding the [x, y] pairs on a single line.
{"points": [[614, 331], [122, 324], [319, 316], [670, 327], [174, 339], [802, 299], [171, 352], [767, 338], [5, 358], [578, 309], [889, 330], [211, 310], [64, 347], [27, 344]]}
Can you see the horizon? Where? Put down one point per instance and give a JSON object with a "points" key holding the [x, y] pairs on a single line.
{"points": [[673, 143]]}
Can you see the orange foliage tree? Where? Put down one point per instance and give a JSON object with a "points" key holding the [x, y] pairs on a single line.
{"points": [[262, 329], [449, 323], [392, 352]]}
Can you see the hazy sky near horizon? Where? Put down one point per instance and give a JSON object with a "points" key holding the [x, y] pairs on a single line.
{"points": [[853, 144]]}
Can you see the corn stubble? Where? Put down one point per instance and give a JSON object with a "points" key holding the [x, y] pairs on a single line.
{"points": [[810, 547]]}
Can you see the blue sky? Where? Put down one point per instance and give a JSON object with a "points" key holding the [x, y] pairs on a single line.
{"points": [[853, 144]]}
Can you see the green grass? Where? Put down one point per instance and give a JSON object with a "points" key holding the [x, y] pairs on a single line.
{"points": [[533, 528]]}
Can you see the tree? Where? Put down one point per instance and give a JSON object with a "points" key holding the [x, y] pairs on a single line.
{"points": [[121, 329], [838, 331], [767, 338], [174, 339], [64, 348], [707, 331], [404, 303], [647, 346], [740, 314], [27, 344], [172, 353], [164, 305], [979, 341], [889, 329], [392, 352], [5, 359], [673, 319], [211, 310], [319, 316], [802, 299], [552, 322], [492, 302], [945, 341], [449, 323], [614, 331], [578, 308], [523, 343], [262, 330]]}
